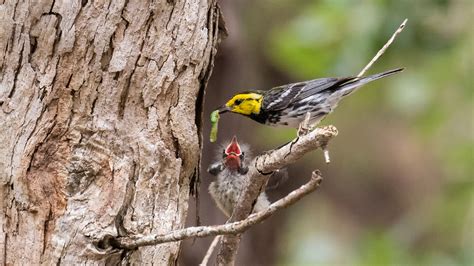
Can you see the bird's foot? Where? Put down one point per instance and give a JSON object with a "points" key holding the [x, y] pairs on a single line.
{"points": [[304, 127]]}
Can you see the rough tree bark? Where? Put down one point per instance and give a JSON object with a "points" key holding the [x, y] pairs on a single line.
{"points": [[99, 124]]}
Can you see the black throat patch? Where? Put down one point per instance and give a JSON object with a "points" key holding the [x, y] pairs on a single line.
{"points": [[261, 117]]}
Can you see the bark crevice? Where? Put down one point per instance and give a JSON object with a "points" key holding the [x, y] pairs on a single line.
{"points": [[87, 90]]}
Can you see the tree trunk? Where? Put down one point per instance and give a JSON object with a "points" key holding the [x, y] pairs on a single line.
{"points": [[99, 125]]}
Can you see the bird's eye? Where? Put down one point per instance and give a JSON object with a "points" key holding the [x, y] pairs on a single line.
{"points": [[223, 153], [238, 101]]}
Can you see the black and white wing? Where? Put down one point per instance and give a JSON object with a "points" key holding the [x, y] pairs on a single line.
{"points": [[281, 97], [319, 85]]}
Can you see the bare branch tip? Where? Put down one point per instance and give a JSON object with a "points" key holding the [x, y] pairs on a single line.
{"points": [[330, 131], [333, 130], [327, 159], [316, 176], [402, 26], [383, 49]]}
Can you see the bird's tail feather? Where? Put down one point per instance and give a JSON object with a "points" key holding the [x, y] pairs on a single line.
{"points": [[352, 85]]}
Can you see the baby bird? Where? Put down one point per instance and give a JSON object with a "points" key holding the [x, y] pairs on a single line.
{"points": [[231, 179]]}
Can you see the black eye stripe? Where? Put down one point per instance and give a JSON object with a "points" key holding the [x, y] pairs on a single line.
{"points": [[239, 101]]}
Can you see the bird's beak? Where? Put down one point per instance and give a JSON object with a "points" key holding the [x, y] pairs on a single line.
{"points": [[233, 147], [224, 109]]}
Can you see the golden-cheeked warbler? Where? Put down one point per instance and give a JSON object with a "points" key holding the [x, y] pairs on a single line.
{"points": [[287, 105]]}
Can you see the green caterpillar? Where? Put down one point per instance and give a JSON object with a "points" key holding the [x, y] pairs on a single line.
{"points": [[214, 122]]}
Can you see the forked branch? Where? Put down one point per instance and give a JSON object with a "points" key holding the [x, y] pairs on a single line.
{"points": [[286, 155], [260, 171], [225, 229]]}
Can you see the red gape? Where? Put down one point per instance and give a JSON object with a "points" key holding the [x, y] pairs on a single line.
{"points": [[233, 153]]}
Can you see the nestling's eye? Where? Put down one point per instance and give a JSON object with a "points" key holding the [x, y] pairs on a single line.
{"points": [[238, 102], [223, 153], [242, 155]]}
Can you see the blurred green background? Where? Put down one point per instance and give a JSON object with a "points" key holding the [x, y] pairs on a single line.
{"points": [[399, 189]]}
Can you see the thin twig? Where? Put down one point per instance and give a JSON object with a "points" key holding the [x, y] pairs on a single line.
{"points": [[211, 248], [259, 172], [327, 159], [277, 159], [225, 229], [382, 50]]}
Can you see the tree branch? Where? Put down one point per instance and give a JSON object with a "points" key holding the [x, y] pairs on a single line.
{"points": [[266, 164], [382, 50], [225, 229], [259, 172], [210, 250]]}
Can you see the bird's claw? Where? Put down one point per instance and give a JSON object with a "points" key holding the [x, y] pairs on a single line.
{"points": [[304, 127]]}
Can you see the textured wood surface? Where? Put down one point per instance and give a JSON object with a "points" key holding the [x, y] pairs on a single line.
{"points": [[99, 124]]}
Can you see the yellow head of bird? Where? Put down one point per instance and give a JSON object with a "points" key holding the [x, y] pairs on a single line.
{"points": [[244, 103]]}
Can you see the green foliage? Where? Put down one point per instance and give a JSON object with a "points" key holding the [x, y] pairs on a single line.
{"points": [[380, 249], [431, 102]]}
